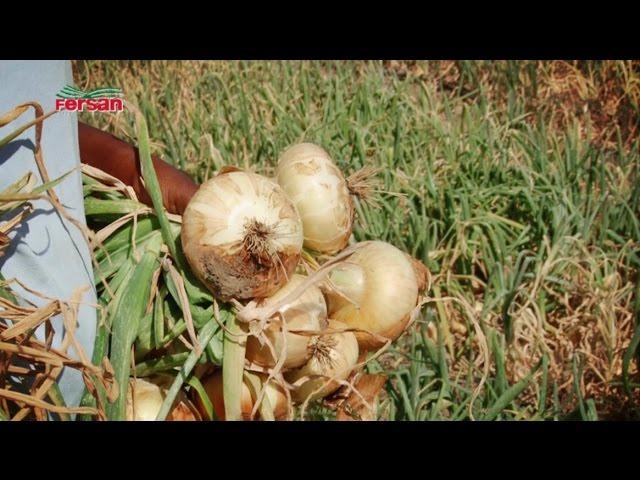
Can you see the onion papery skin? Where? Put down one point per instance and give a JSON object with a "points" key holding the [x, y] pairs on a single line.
{"points": [[144, 400], [333, 356], [382, 282], [320, 193], [226, 224], [277, 398], [213, 387], [307, 312]]}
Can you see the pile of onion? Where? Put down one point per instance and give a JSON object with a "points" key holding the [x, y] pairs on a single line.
{"points": [[243, 236]]}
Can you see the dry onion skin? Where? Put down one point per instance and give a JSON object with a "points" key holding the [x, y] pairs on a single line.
{"points": [[307, 312], [277, 398], [213, 387], [375, 289], [144, 400], [333, 357], [320, 193], [241, 235]]}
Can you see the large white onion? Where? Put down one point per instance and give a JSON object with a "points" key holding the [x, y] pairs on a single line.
{"points": [[307, 312], [320, 193], [333, 356], [241, 235], [376, 289]]}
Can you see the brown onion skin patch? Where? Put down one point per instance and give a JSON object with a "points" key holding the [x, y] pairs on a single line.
{"points": [[228, 277], [422, 273], [370, 387], [184, 411], [260, 354]]}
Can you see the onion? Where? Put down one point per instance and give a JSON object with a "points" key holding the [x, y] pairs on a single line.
{"points": [[320, 193], [241, 235], [307, 312], [333, 356], [375, 289], [213, 387], [277, 399], [145, 398]]}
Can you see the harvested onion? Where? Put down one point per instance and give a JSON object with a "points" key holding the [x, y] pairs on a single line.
{"points": [[213, 387], [307, 312], [144, 400], [333, 357], [320, 193], [277, 398], [376, 289], [241, 235]]}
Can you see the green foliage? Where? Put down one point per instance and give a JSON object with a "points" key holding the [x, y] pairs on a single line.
{"points": [[517, 217]]}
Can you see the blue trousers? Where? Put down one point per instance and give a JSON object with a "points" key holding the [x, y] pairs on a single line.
{"points": [[47, 253]]}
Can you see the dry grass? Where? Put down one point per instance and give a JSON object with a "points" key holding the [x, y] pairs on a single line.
{"points": [[603, 97], [29, 368]]}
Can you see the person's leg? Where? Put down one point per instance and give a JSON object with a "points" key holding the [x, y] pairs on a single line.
{"points": [[48, 253]]}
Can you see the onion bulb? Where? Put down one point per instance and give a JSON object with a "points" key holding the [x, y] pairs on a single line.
{"points": [[333, 356], [213, 387], [277, 398], [307, 312], [375, 289], [320, 193], [241, 235], [144, 400]]}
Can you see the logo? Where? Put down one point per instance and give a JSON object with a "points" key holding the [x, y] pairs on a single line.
{"points": [[72, 99]]}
